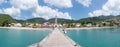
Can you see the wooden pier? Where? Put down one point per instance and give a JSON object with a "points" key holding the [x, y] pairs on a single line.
{"points": [[56, 39]]}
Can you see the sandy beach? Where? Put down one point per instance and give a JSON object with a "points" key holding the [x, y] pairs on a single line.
{"points": [[88, 28], [27, 28]]}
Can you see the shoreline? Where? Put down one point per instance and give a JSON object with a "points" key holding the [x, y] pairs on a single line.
{"points": [[88, 28], [27, 28]]}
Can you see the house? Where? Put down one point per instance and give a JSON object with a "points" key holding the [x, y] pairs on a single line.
{"points": [[89, 25], [78, 25], [45, 25], [29, 24], [65, 25], [16, 25]]}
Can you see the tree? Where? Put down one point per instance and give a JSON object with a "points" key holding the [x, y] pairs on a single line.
{"points": [[6, 23], [24, 24], [5, 20]]}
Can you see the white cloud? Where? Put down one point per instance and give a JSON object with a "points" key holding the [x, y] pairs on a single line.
{"points": [[111, 7], [1, 11], [14, 12], [47, 13], [41, 11], [85, 3], [99, 13], [24, 4], [36, 10], [60, 3]]}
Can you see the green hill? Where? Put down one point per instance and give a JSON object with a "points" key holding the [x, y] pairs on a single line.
{"points": [[20, 21], [96, 19], [5, 20], [42, 20], [109, 20], [61, 20], [36, 20]]}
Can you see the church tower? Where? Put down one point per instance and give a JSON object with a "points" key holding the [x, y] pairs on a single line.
{"points": [[56, 20], [56, 24]]}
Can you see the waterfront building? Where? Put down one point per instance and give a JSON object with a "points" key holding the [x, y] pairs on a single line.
{"points": [[89, 25], [78, 25], [16, 25]]}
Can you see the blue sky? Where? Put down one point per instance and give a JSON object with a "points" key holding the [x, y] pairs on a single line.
{"points": [[68, 9]]}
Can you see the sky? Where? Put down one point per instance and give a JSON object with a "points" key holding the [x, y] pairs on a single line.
{"points": [[68, 9]]}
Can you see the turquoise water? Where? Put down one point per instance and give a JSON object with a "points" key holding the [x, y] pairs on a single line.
{"points": [[21, 38], [96, 37]]}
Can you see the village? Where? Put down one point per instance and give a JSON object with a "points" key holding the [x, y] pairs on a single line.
{"points": [[65, 25]]}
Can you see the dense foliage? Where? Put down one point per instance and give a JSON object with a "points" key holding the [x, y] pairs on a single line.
{"points": [[5, 20], [36, 20], [41, 20], [92, 20], [61, 20]]}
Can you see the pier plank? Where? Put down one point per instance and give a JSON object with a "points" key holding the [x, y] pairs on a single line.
{"points": [[56, 39]]}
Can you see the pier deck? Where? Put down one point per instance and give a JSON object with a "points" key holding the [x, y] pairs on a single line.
{"points": [[56, 39]]}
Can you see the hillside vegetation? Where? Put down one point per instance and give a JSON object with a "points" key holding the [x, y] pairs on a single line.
{"points": [[5, 20]]}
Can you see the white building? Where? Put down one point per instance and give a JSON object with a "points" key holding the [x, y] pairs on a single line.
{"points": [[16, 25], [78, 25], [89, 25]]}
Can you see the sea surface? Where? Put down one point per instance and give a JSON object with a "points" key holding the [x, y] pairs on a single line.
{"points": [[21, 38], [106, 37]]}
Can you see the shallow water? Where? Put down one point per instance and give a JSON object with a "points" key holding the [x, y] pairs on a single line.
{"points": [[107, 37], [21, 38]]}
